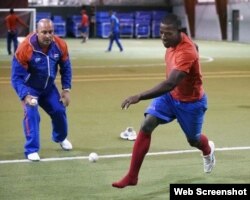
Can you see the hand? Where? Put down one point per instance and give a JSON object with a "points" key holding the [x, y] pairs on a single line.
{"points": [[12, 32], [130, 100], [65, 99], [28, 100]]}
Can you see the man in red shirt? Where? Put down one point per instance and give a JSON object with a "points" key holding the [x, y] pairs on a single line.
{"points": [[11, 23], [180, 96], [84, 26]]}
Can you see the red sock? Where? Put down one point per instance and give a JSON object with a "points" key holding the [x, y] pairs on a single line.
{"points": [[204, 146], [140, 149]]}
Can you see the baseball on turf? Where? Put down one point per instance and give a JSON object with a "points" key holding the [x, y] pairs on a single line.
{"points": [[93, 157], [34, 101]]}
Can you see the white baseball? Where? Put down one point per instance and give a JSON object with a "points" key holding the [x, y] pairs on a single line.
{"points": [[34, 101], [93, 157]]}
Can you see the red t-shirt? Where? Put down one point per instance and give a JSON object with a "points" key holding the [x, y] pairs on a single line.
{"points": [[85, 20], [185, 57], [12, 20]]}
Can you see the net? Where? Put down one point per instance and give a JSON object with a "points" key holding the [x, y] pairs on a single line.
{"points": [[28, 15]]}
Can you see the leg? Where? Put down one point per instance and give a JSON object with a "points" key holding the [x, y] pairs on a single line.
{"points": [[207, 148], [83, 33], [9, 38], [31, 129], [201, 144], [15, 41], [190, 117], [140, 149], [83, 37], [50, 102], [158, 112], [118, 42], [111, 40]]}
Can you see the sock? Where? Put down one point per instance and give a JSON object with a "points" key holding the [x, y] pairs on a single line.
{"points": [[140, 149], [204, 146]]}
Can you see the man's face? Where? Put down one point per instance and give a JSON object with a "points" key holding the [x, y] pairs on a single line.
{"points": [[170, 36], [45, 32]]}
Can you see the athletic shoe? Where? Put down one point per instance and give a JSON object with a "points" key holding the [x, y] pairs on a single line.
{"points": [[66, 145], [33, 156], [209, 160], [128, 134]]}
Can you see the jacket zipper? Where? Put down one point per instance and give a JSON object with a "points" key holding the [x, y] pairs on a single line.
{"points": [[46, 83]]}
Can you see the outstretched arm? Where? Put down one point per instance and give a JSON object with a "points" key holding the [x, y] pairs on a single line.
{"points": [[22, 22], [165, 86]]}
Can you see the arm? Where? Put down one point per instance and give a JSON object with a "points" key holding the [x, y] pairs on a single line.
{"points": [[21, 22], [66, 73], [165, 86], [112, 24], [7, 23], [18, 75]]}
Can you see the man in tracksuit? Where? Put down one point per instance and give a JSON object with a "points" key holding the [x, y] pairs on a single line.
{"points": [[34, 69], [114, 32]]}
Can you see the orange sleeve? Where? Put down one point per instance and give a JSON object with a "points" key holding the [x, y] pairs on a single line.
{"points": [[24, 52], [63, 47]]}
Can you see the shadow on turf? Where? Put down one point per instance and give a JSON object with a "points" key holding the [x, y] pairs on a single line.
{"points": [[244, 106]]}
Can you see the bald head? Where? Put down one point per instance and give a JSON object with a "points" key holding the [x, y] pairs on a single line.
{"points": [[45, 32], [44, 22]]}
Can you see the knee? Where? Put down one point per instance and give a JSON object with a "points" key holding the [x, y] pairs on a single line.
{"points": [[149, 124], [146, 127], [60, 111]]}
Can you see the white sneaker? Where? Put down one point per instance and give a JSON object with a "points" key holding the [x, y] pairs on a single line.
{"points": [[33, 157], [66, 145], [209, 160], [128, 134]]}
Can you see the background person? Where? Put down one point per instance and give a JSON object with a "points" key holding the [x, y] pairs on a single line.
{"points": [[12, 21], [114, 32], [34, 69], [84, 26], [180, 96]]}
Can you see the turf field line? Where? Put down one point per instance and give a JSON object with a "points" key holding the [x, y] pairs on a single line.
{"points": [[123, 155], [203, 60]]}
